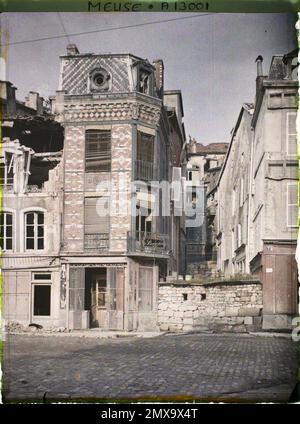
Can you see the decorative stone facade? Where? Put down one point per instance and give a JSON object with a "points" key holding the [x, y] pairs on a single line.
{"points": [[231, 306]]}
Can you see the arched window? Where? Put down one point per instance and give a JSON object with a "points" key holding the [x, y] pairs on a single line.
{"points": [[6, 230], [34, 230]]}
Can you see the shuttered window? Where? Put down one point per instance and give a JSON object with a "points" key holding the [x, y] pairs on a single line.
{"points": [[292, 205], [96, 222], [98, 150], [144, 156], [291, 133], [145, 147]]}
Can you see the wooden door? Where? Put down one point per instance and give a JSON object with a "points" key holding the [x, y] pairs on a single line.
{"points": [[115, 294], [98, 300]]}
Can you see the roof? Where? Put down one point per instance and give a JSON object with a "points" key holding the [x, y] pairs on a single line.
{"points": [[217, 148], [176, 93], [246, 107]]}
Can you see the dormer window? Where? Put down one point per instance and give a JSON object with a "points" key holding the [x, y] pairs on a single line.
{"points": [[99, 80], [143, 77], [144, 82]]}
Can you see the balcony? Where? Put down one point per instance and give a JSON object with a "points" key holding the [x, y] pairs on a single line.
{"points": [[143, 170], [148, 243], [96, 242]]}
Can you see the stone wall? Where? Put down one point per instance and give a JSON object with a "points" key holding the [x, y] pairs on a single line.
{"points": [[219, 306]]}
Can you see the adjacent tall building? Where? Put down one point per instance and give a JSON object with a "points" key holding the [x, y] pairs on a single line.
{"points": [[257, 192]]}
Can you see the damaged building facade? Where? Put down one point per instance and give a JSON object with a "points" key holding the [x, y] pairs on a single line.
{"points": [[257, 193], [84, 241]]}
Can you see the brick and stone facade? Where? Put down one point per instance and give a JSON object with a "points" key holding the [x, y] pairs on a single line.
{"points": [[106, 277]]}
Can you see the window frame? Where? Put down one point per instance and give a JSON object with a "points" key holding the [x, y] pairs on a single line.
{"points": [[8, 167], [101, 235], [241, 192], [288, 205], [35, 236], [41, 282], [288, 134], [97, 130], [12, 213]]}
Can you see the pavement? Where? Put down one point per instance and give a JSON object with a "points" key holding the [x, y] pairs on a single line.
{"points": [[175, 367]]}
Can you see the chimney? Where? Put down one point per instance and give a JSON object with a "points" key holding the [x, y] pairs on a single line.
{"points": [[260, 76], [40, 105], [72, 49], [159, 76], [8, 93], [259, 61], [32, 100]]}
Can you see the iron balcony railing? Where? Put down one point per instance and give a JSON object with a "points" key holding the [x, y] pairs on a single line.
{"points": [[143, 170], [145, 242], [96, 241]]}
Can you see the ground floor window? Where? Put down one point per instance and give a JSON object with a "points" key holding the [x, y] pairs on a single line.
{"points": [[41, 299]]}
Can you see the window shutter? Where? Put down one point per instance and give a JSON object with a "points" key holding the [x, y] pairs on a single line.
{"points": [[291, 134], [93, 222]]}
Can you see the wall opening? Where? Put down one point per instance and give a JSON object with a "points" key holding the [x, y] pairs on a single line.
{"points": [[42, 300]]}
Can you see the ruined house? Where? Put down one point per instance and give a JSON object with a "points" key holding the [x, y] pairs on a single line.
{"points": [[257, 193], [84, 237]]}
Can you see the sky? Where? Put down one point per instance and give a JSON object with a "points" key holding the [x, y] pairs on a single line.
{"points": [[210, 58]]}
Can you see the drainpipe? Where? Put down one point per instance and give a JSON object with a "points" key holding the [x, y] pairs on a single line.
{"points": [[67, 295], [250, 200]]}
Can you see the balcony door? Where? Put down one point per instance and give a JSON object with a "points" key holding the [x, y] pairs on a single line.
{"points": [[143, 222]]}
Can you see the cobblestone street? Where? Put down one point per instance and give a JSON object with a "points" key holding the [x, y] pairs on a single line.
{"points": [[190, 366]]}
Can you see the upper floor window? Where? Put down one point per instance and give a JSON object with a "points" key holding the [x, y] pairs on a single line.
{"points": [[291, 134], [145, 147], [34, 231], [233, 201], [239, 235], [96, 223], [99, 80], [144, 82], [6, 170], [292, 206], [6, 231], [145, 156], [98, 150], [242, 192]]}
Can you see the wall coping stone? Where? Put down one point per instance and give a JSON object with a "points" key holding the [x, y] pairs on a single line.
{"points": [[217, 282]]}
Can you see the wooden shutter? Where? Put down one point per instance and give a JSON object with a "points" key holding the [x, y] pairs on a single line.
{"points": [[96, 215], [291, 134], [98, 150]]}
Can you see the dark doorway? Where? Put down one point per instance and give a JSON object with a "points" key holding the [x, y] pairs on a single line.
{"points": [[42, 300]]}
